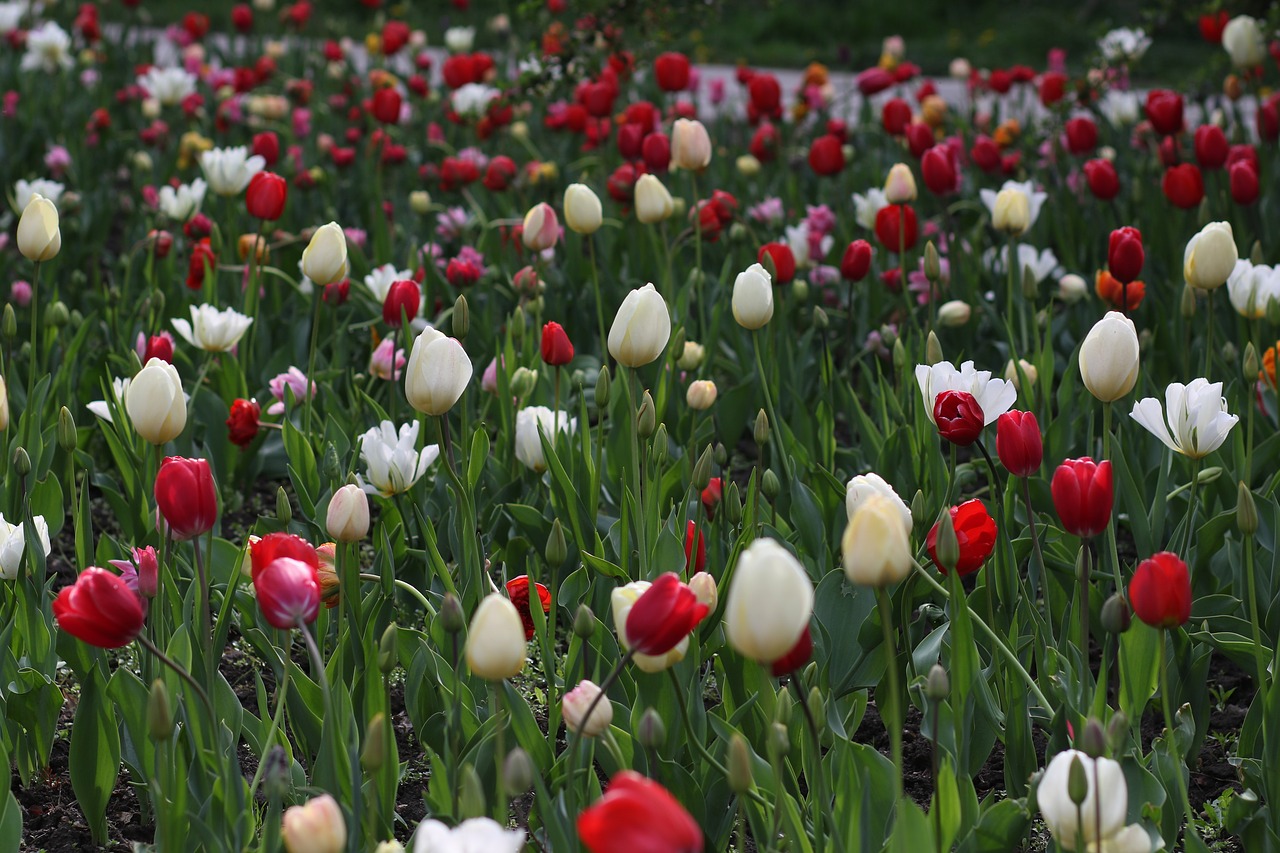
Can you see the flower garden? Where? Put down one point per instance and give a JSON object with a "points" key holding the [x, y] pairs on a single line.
{"points": [[521, 438]]}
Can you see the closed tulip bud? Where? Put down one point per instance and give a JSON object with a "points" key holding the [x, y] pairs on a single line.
{"points": [[732, 503], [1109, 357], [917, 510], [21, 462], [557, 549], [581, 699], [317, 827], [1116, 616], [646, 416], [602, 388], [932, 350], [420, 201], [9, 325], [692, 354], [1246, 511], [779, 743], [582, 211], [496, 641], [388, 654], [284, 512], [155, 402], [1012, 212], [641, 328], [782, 707], [1015, 372], [517, 772], [720, 454], [900, 186], [817, 706], [1250, 362], [652, 201], [701, 395], [678, 339], [451, 618], [705, 589], [39, 237], [769, 604], [347, 519], [58, 315], [661, 444], [899, 353], [954, 313], [651, 732], [740, 780], [517, 324], [1229, 352], [690, 145], [461, 317], [1072, 288], [159, 712], [66, 424], [584, 622], [1093, 740], [1255, 253], [748, 166], [1187, 304], [761, 430], [753, 296], [373, 755], [937, 686], [1077, 782], [1210, 257], [800, 290], [702, 470], [948, 546], [770, 487], [541, 228], [472, 801], [330, 466], [1117, 731], [324, 261], [523, 381], [437, 374], [821, 321], [932, 263], [876, 544]]}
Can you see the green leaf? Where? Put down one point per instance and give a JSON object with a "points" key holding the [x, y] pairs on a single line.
{"points": [[476, 458], [911, 830], [95, 754], [1139, 667]]}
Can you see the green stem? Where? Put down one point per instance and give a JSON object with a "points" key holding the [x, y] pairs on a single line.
{"points": [[1169, 731], [774, 423], [1191, 505], [407, 587], [892, 716], [202, 599], [1038, 556], [575, 737], [595, 284], [277, 719], [637, 469], [818, 780], [698, 745], [500, 752], [1255, 617], [1111, 524], [33, 364], [311, 360]]}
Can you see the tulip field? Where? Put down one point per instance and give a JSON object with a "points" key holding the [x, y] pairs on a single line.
{"points": [[518, 437]]}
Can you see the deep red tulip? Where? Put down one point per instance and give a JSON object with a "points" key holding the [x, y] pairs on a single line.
{"points": [[796, 658], [1019, 443], [267, 146], [1183, 185], [1211, 146], [630, 141], [242, 423], [196, 24], [1243, 153], [711, 497], [337, 293], [856, 261], [1103, 181], [694, 562], [518, 592], [958, 416], [656, 152], [459, 70], [1125, 254], [99, 609], [920, 138], [186, 496], [671, 70], [1053, 86], [395, 35], [1082, 496], [938, 170], [1244, 183], [1000, 81], [896, 227], [499, 174], [386, 105], [975, 533], [765, 142], [985, 154], [663, 616], [265, 196], [159, 346], [403, 295], [1164, 111], [1268, 120], [622, 183], [895, 115], [242, 17], [557, 349], [766, 95], [1082, 135], [288, 592], [1160, 591], [873, 81], [462, 273], [263, 552], [1212, 25], [637, 815], [826, 155], [782, 259], [202, 257], [1170, 154]]}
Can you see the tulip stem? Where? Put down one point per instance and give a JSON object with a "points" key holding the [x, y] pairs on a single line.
{"points": [[1191, 505], [499, 752], [637, 469], [407, 587], [1038, 556], [282, 690], [699, 746], [33, 362], [202, 595], [1111, 527], [595, 284], [695, 293], [182, 673], [774, 423], [1254, 615], [891, 716], [311, 361], [818, 781], [1172, 743]]}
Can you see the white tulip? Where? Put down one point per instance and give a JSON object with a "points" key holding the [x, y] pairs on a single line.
{"points": [[867, 205], [495, 641], [769, 604], [900, 185], [1102, 812], [475, 834], [48, 49], [641, 328], [315, 827], [864, 486], [13, 544], [212, 330], [1124, 44], [182, 203], [1019, 208], [532, 423], [876, 544], [1072, 288], [1210, 257], [995, 396], [578, 701], [229, 170], [324, 261], [437, 374], [701, 395], [39, 236], [347, 518], [392, 461], [690, 145], [653, 202], [119, 389], [380, 279], [168, 85], [24, 191], [459, 39], [753, 297], [1109, 357], [1194, 420], [582, 211], [156, 405], [1252, 288], [1244, 42]]}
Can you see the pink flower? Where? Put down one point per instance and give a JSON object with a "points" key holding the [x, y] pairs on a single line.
{"points": [[357, 237], [380, 362], [58, 159], [301, 122], [450, 223], [20, 293], [820, 219], [1057, 60], [476, 156], [470, 255], [151, 197], [823, 275], [10, 104], [295, 380], [489, 382], [716, 88], [433, 252], [769, 211], [142, 575]]}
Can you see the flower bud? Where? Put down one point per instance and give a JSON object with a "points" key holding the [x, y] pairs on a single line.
{"points": [[1077, 781], [661, 445], [1015, 372], [9, 325], [1093, 741], [420, 202], [602, 388], [932, 349], [451, 618], [1246, 511], [1109, 357], [948, 546], [954, 313], [496, 641], [517, 772], [159, 712], [702, 470], [938, 686], [523, 381], [374, 753], [317, 827], [752, 299], [1115, 614], [39, 236], [692, 355], [732, 504], [284, 511], [740, 780], [67, 438], [1012, 213], [932, 263], [821, 321], [651, 732], [58, 315], [690, 145], [324, 261], [641, 328], [782, 707], [388, 652], [575, 705], [461, 317], [917, 509], [705, 590], [1210, 257], [437, 374], [1117, 732], [646, 417], [21, 462], [584, 622], [817, 706], [652, 200], [770, 487], [720, 454], [155, 402], [556, 551], [1250, 363], [761, 431], [900, 186], [779, 742], [347, 519]]}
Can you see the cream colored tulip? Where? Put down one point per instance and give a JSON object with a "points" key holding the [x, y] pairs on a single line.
{"points": [[437, 373], [692, 356], [39, 237], [317, 827], [653, 202], [582, 211], [900, 186], [1210, 257], [701, 395], [954, 313], [769, 604], [748, 165], [641, 328], [705, 589], [347, 519], [1244, 42], [581, 699], [1109, 357], [876, 545], [495, 641], [1012, 213], [155, 403], [324, 261], [690, 145], [1011, 372], [753, 297]]}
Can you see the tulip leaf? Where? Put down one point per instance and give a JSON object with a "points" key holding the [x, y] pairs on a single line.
{"points": [[1002, 827], [1139, 667], [94, 760], [477, 456]]}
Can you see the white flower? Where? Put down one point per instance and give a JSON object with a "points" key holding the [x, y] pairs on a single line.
{"points": [[1252, 288], [864, 486], [798, 240], [13, 544], [1124, 44], [1101, 815], [1120, 108], [621, 600], [229, 170], [533, 422], [24, 190], [472, 99], [11, 16], [48, 49], [182, 203], [867, 205], [119, 387], [476, 835], [393, 463], [1042, 263], [212, 330], [380, 279], [459, 39], [1194, 420], [1244, 42], [995, 396], [1035, 200], [168, 85]]}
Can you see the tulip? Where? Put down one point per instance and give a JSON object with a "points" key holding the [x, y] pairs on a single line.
{"points": [[863, 486], [896, 228], [13, 544], [393, 461], [288, 592], [711, 496], [582, 212], [557, 349], [876, 543], [1125, 254], [621, 601], [653, 202], [1252, 289], [229, 170], [1015, 208], [1244, 183], [672, 71], [975, 531], [39, 237], [403, 300], [265, 550], [1160, 591], [347, 518], [782, 261], [640, 329], [993, 396], [578, 701], [186, 496], [496, 640], [826, 155], [99, 609], [518, 592], [1103, 181], [477, 833], [437, 374], [938, 169], [690, 145], [954, 313], [701, 395], [387, 104], [1109, 357], [1019, 443], [703, 585], [265, 196], [1194, 420], [770, 602], [1082, 496], [637, 814], [212, 330], [141, 573], [958, 417], [324, 261], [856, 261], [753, 297], [316, 827], [900, 186], [541, 229], [532, 423], [1211, 146], [1210, 257], [1082, 135], [155, 403], [695, 556], [1244, 42], [895, 116], [243, 422], [1164, 111], [1183, 185], [662, 616], [1100, 815]]}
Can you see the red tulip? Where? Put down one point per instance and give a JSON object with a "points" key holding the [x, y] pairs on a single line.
{"points": [[895, 115], [1000, 81], [796, 658], [1268, 120], [1211, 146], [975, 533], [386, 105], [1160, 591], [1164, 111], [873, 81], [202, 256], [242, 422], [518, 592], [403, 295], [826, 155], [1082, 496], [1212, 25], [459, 70], [896, 227], [1119, 296], [186, 496], [499, 174], [242, 17], [938, 170], [783, 260], [1243, 153], [265, 551], [557, 349], [267, 146], [656, 152], [1183, 185], [1103, 181], [856, 261], [765, 142], [958, 416], [622, 183], [1053, 86], [919, 138], [288, 592], [395, 35], [1244, 183], [671, 70], [985, 154], [766, 95], [99, 609], [663, 616], [1019, 443], [637, 815], [1125, 254], [694, 563], [630, 140], [159, 346], [711, 497], [1082, 135], [265, 196]]}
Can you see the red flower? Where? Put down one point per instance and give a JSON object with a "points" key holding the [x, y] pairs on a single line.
{"points": [[873, 81], [1244, 183], [765, 142], [856, 261], [671, 70], [395, 35], [893, 235], [1183, 185], [711, 497], [462, 273], [919, 138], [288, 592], [1211, 146], [1082, 496], [202, 256], [242, 17], [196, 25], [796, 658], [637, 815], [159, 346], [1212, 25], [242, 423], [783, 260], [1125, 254], [403, 295], [1053, 86], [518, 592], [630, 138], [694, 563], [1268, 120], [1000, 81], [958, 416], [557, 349], [622, 183], [1164, 111], [1104, 183], [265, 551], [186, 496], [386, 105], [1082, 135], [499, 174], [267, 146], [663, 616], [336, 293], [826, 155], [1160, 591], [1019, 443], [459, 70], [656, 151], [265, 196], [975, 532], [1119, 296], [895, 116], [938, 169], [766, 95], [985, 154], [99, 609]]}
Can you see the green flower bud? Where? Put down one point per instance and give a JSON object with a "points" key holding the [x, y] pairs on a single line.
{"points": [[770, 486], [1117, 732], [330, 465], [817, 706], [9, 326], [374, 753], [799, 289], [783, 706], [1077, 781], [67, 438], [932, 350], [948, 546], [740, 780], [523, 381], [284, 511], [159, 712], [461, 317], [647, 416], [899, 354], [651, 732], [275, 773], [1116, 616], [732, 503], [517, 324], [1093, 740], [761, 431], [584, 622], [821, 321], [388, 653], [918, 509], [721, 455], [938, 686], [472, 800], [676, 349], [1246, 511], [451, 617], [602, 389], [21, 462], [769, 266], [1250, 362], [517, 772], [1255, 253], [556, 550], [779, 742], [1229, 353], [702, 469], [1030, 288], [661, 444], [58, 315]]}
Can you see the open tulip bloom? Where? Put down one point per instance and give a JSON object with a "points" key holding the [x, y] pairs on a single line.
{"points": [[1194, 420]]}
